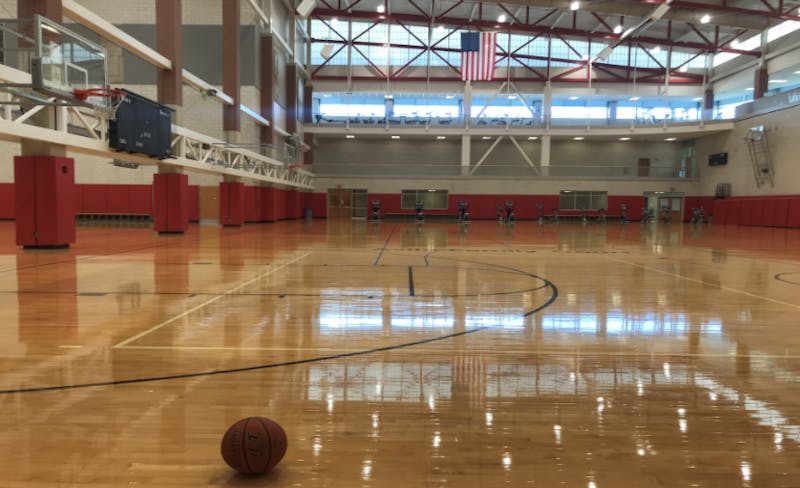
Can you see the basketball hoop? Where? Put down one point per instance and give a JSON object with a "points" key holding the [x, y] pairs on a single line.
{"points": [[111, 99]]}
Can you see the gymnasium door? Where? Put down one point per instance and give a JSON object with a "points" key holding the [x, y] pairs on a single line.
{"points": [[340, 203], [674, 202]]}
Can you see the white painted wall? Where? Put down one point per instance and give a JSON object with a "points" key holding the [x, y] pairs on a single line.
{"points": [[783, 136]]}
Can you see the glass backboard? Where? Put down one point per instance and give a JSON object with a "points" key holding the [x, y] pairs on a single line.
{"points": [[64, 61]]}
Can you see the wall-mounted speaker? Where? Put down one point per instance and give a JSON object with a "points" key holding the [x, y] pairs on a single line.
{"points": [[719, 159], [306, 7]]}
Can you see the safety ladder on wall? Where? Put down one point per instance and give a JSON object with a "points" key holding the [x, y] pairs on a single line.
{"points": [[759, 156]]}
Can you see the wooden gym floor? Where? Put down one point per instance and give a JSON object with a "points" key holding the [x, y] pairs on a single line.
{"points": [[400, 355]]}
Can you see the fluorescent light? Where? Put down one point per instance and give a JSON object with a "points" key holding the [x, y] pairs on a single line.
{"points": [[350, 136], [635, 99], [575, 5], [431, 190], [617, 29], [381, 9], [705, 19], [395, 137], [501, 18], [441, 138], [670, 139], [577, 138], [777, 81], [624, 138], [532, 138], [486, 138]]}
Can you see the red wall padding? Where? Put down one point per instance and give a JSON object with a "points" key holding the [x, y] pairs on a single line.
{"points": [[793, 213], [7, 199], [777, 211], [171, 202], [317, 202], [45, 200]]}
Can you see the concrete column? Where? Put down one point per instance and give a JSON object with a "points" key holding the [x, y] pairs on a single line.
{"points": [[467, 104], [47, 8], [708, 104], [292, 111], [169, 42], [545, 156], [547, 102], [231, 64], [760, 83], [267, 88], [761, 77], [44, 178], [466, 151]]}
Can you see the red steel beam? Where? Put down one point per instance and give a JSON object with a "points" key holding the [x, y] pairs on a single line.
{"points": [[527, 28], [712, 7]]}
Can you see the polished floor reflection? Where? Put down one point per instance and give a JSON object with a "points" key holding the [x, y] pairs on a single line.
{"points": [[397, 354]]}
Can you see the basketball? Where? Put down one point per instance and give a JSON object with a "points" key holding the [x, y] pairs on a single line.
{"points": [[253, 445]]}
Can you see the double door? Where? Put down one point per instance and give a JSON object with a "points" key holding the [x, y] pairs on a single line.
{"points": [[347, 203]]}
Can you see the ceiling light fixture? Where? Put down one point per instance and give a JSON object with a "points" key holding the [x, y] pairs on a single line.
{"points": [[705, 19], [485, 138], [395, 137], [350, 136], [441, 138], [532, 138], [617, 29], [684, 68], [624, 138], [656, 49], [577, 138], [501, 18], [670, 139], [575, 5], [381, 9]]}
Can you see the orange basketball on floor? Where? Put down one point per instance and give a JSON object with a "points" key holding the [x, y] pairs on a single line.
{"points": [[254, 445]]}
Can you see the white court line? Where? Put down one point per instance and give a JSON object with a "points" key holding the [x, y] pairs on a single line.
{"points": [[237, 348], [726, 288], [206, 303]]}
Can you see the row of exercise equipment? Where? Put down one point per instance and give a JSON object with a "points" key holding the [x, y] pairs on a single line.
{"points": [[505, 213]]}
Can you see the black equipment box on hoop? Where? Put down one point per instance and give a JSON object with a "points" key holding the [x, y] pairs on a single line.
{"points": [[141, 126]]}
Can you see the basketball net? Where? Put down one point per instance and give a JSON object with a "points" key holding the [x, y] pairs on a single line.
{"points": [[112, 97]]}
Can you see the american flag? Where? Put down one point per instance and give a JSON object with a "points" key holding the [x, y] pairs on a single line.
{"points": [[477, 55]]}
